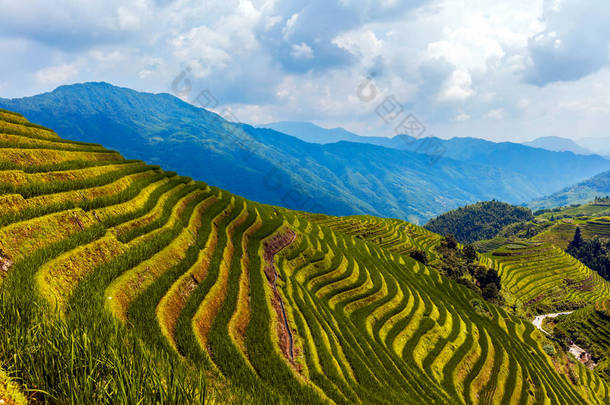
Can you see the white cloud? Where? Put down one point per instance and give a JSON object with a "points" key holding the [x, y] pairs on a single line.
{"points": [[573, 43], [57, 74], [497, 114], [361, 43], [290, 26], [458, 87], [524, 103], [128, 19], [462, 117], [272, 21], [301, 51], [458, 65]]}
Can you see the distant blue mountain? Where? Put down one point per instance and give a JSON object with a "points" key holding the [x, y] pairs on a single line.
{"points": [[601, 146], [541, 165], [558, 144], [308, 132], [410, 179]]}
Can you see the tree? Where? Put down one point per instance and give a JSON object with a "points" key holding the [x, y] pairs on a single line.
{"points": [[420, 256], [492, 277], [577, 242], [451, 242], [470, 253], [594, 253], [490, 291], [549, 349], [479, 221]]}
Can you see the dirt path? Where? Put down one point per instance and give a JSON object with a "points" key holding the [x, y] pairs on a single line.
{"points": [[540, 318], [578, 352], [273, 247]]}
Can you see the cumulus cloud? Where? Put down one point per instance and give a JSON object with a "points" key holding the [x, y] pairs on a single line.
{"points": [[491, 69], [496, 114], [71, 25], [458, 86], [57, 74], [302, 51], [573, 44]]}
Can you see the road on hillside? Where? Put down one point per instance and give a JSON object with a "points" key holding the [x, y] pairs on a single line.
{"points": [[540, 318], [575, 350]]}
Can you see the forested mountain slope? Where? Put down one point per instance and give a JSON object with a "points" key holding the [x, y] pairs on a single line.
{"points": [[271, 167], [478, 221]]}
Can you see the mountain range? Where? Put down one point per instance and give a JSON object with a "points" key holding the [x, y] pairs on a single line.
{"points": [[406, 178], [309, 132], [558, 144], [597, 186]]}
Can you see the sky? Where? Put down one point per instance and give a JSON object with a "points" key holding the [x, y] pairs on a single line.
{"points": [[501, 70]]}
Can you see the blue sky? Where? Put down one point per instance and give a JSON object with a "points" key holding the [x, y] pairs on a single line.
{"points": [[501, 70]]}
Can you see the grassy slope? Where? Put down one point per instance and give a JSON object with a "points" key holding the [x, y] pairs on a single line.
{"points": [[556, 226], [9, 390], [162, 294], [589, 328], [541, 278], [592, 218]]}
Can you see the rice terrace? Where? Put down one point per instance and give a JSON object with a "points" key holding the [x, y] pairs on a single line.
{"points": [[320, 202], [147, 280]]}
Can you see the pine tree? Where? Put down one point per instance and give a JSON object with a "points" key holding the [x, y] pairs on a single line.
{"points": [[577, 242]]}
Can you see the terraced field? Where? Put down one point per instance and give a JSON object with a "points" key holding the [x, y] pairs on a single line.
{"points": [[390, 234], [589, 328], [562, 232], [122, 283], [541, 278], [598, 227]]}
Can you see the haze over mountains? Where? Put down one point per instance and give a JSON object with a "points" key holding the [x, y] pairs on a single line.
{"points": [[599, 145], [598, 186], [559, 144], [309, 132], [397, 179]]}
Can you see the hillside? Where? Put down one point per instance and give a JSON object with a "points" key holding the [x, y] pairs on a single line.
{"points": [[561, 232], [553, 169], [308, 132], [538, 160], [558, 144], [274, 168], [122, 282], [558, 225], [589, 328], [597, 186], [541, 278], [478, 221], [312, 133]]}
